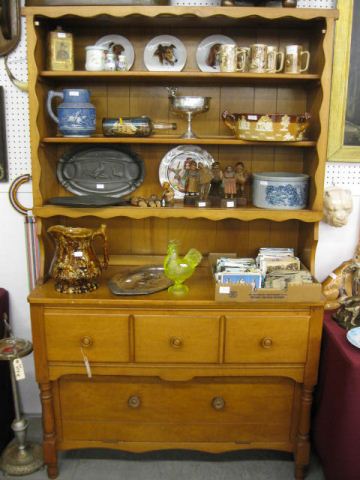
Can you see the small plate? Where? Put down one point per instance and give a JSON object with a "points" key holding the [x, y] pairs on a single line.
{"points": [[353, 336], [206, 52], [172, 167], [119, 45], [141, 281], [165, 53]]}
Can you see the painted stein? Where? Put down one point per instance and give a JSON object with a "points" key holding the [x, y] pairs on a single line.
{"points": [[95, 58], [76, 115], [75, 266]]}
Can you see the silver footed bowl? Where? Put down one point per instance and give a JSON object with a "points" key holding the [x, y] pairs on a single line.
{"points": [[189, 106]]}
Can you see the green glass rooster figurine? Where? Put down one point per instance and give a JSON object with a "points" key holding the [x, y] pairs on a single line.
{"points": [[178, 269]]}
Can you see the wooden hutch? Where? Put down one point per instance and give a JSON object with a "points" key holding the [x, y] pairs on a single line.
{"points": [[188, 373]]}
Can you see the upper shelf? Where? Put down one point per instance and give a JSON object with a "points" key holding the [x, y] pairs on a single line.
{"points": [[266, 13], [239, 78]]}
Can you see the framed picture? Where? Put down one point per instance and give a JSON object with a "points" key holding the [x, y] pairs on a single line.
{"points": [[344, 127], [3, 147]]}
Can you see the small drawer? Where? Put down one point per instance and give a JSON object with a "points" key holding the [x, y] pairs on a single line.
{"points": [[101, 335], [178, 338], [146, 409], [257, 338]]}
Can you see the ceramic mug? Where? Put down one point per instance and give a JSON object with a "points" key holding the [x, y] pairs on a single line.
{"points": [[243, 59], [229, 58], [95, 58], [294, 55], [258, 55], [274, 59]]}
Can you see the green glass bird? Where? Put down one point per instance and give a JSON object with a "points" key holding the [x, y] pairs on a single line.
{"points": [[178, 268]]}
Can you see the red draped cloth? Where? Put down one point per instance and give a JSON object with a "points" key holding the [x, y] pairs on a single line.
{"points": [[336, 423]]}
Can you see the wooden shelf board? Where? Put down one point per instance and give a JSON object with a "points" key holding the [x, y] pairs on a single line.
{"points": [[179, 211], [170, 11], [175, 140], [213, 77]]}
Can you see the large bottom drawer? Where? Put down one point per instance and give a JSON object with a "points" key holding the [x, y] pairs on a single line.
{"points": [[150, 410]]}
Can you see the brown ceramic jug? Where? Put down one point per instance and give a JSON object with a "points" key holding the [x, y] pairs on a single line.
{"points": [[75, 266]]}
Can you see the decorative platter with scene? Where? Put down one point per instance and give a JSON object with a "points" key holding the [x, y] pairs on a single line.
{"points": [[173, 166]]}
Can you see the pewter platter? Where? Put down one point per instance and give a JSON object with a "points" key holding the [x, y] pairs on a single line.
{"points": [[94, 200], [140, 281], [106, 171]]}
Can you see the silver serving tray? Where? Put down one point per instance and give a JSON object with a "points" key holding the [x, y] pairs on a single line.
{"points": [[140, 281], [103, 171]]}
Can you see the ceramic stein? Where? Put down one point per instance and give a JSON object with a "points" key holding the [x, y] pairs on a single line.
{"points": [[229, 58], [258, 55], [294, 55], [274, 59], [76, 115], [75, 266]]}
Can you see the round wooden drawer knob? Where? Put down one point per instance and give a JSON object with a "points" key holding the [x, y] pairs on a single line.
{"points": [[134, 401], [176, 342], [266, 342], [218, 403], [86, 342]]}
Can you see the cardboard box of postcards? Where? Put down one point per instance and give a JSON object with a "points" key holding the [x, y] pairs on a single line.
{"points": [[227, 291]]}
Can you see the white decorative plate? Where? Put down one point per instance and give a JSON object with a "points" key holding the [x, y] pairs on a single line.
{"points": [[119, 44], [206, 52], [165, 53], [353, 336], [173, 166]]}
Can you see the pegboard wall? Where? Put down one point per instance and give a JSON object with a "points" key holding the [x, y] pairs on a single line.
{"points": [[345, 175], [16, 113], [316, 3]]}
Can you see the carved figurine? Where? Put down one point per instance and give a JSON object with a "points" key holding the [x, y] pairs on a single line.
{"points": [[229, 182], [343, 282], [241, 176], [192, 183], [348, 315], [205, 177], [216, 182], [337, 206], [167, 197]]}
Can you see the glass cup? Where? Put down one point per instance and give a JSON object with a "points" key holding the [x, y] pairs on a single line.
{"points": [[294, 55]]}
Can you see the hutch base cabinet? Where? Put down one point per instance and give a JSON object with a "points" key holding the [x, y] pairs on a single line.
{"points": [[157, 372], [200, 376]]}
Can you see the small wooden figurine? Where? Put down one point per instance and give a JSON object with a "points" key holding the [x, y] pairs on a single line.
{"points": [[167, 197], [192, 184], [205, 177], [241, 176], [216, 190]]}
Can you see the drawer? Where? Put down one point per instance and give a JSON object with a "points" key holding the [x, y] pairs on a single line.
{"points": [[113, 409], [257, 338], [103, 336], [177, 338]]}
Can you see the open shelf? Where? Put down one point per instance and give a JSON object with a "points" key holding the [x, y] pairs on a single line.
{"points": [[244, 214], [175, 140]]}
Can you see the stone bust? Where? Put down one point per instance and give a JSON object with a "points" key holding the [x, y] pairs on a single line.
{"points": [[337, 206]]}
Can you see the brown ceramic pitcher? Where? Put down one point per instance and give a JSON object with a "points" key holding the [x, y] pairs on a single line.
{"points": [[75, 266]]}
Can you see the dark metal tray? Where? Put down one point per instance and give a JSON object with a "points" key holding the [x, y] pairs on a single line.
{"points": [[103, 171], [140, 281]]}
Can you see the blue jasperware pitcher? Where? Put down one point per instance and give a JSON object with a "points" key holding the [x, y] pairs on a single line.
{"points": [[76, 115]]}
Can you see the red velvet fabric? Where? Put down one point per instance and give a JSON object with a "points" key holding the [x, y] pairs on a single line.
{"points": [[336, 423]]}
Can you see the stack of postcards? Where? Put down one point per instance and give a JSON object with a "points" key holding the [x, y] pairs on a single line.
{"points": [[238, 271]]}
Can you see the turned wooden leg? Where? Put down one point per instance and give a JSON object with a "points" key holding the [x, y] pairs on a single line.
{"points": [[302, 449], [49, 443]]}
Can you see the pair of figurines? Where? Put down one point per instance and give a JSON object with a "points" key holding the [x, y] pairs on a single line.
{"points": [[227, 186]]}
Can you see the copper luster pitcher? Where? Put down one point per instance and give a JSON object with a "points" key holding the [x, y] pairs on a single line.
{"points": [[75, 266]]}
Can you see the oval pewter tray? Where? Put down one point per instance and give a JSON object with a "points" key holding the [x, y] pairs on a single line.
{"points": [[140, 281], [109, 171]]}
